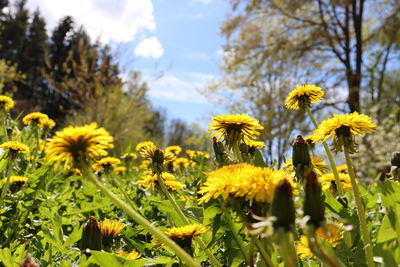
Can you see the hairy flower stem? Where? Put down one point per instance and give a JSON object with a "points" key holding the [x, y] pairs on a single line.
{"points": [[264, 254], [360, 209], [251, 251], [287, 249], [319, 251], [182, 254], [213, 259], [347, 235], [236, 150], [7, 174]]}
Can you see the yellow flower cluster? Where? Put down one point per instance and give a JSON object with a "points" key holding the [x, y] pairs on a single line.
{"points": [[187, 231], [132, 255], [6, 103], [303, 96], [120, 170], [79, 143], [38, 119], [242, 181], [141, 145], [151, 181], [176, 150], [358, 123], [14, 147], [192, 154], [111, 227], [332, 234], [328, 182], [105, 163], [234, 128]]}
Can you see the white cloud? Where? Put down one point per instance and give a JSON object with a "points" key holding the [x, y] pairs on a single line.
{"points": [[149, 48], [118, 20], [178, 89]]}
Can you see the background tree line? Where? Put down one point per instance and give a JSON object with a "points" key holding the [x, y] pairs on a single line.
{"points": [[76, 81]]}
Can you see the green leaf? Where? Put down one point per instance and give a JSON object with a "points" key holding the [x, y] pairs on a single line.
{"points": [[74, 236], [109, 259], [258, 159]]}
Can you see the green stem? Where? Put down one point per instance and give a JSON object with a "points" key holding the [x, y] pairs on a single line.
{"points": [[230, 223], [347, 235], [213, 259], [360, 209], [236, 150], [35, 151], [287, 249], [316, 248], [7, 184], [264, 253], [251, 250], [182, 254]]}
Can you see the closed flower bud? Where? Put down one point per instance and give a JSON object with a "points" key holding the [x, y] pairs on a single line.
{"points": [[158, 157], [283, 206], [314, 205], [91, 235], [301, 157], [218, 146], [244, 148], [395, 159]]}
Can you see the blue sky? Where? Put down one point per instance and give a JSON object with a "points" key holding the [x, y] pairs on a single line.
{"points": [[178, 39]]}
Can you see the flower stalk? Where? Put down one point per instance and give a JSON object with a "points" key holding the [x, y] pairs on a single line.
{"points": [[360, 209]]}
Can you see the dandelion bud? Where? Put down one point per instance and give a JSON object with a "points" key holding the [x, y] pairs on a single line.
{"points": [[91, 235], [244, 148], [158, 157], [395, 159], [219, 148], [314, 205], [301, 157], [283, 206]]}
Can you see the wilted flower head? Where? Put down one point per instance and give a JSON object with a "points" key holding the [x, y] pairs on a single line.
{"points": [[13, 148], [234, 128], [6, 103], [106, 164], [345, 126], [303, 96], [35, 119], [79, 144], [242, 181], [132, 255], [332, 234], [151, 181]]}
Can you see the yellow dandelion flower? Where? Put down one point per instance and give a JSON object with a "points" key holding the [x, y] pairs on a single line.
{"points": [[120, 170], [14, 147], [131, 156], [328, 182], [151, 181], [346, 125], [144, 165], [252, 144], [176, 150], [342, 168], [303, 96], [15, 179], [332, 234], [132, 255], [35, 119], [192, 154], [111, 227], [141, 145], [234, 128], [187, 231], [6, 103], [182, 163], [105, 163], [151, 151], [242, 181], [48, 124], [318, 163], [79, 143]]}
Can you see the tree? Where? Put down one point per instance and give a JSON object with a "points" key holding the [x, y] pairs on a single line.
{"points": [[332, 38]]}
